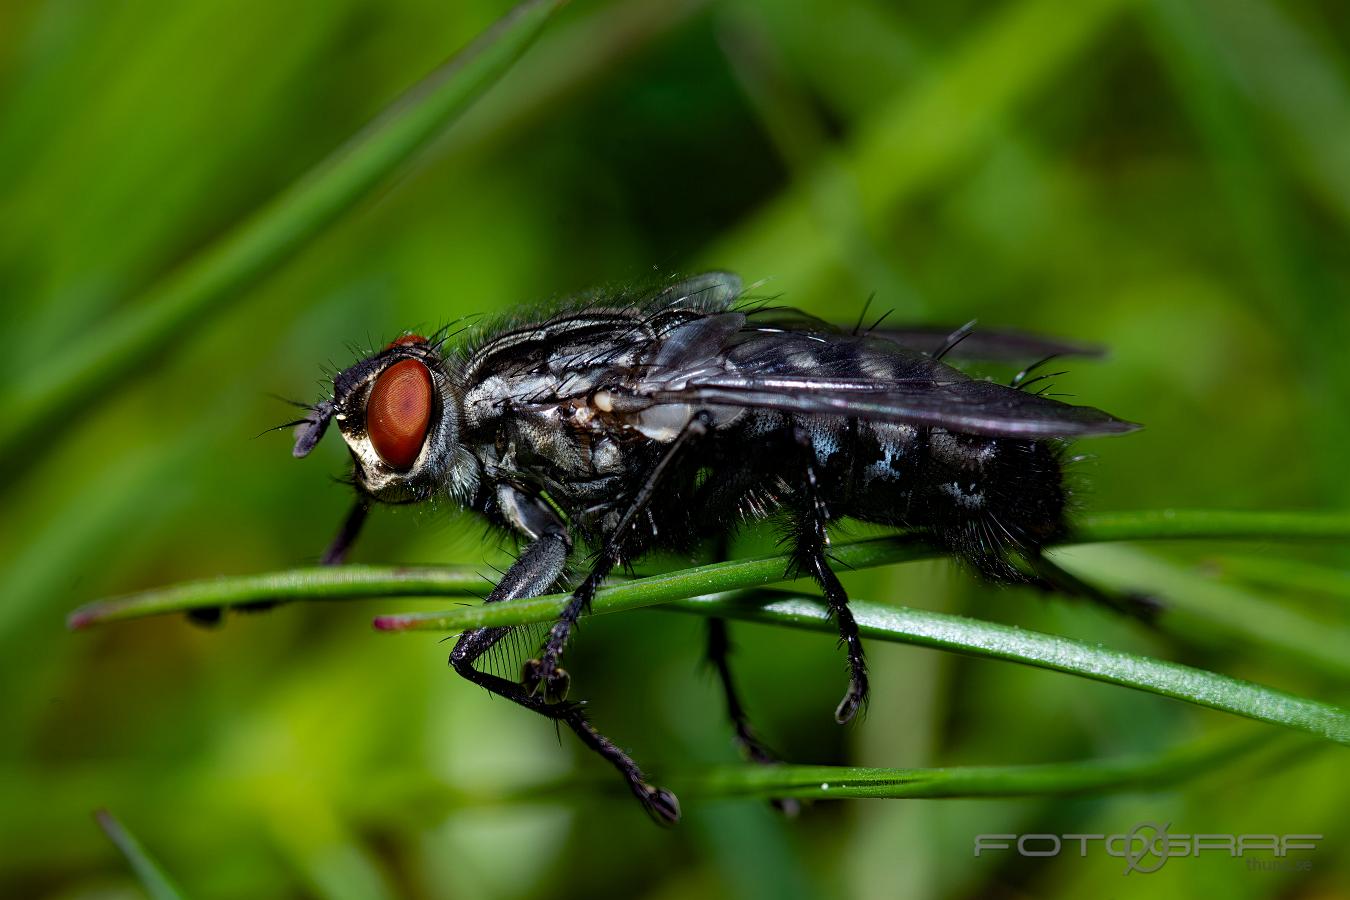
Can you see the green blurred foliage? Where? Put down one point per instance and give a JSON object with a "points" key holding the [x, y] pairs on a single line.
{"points": [[1167, 177]]}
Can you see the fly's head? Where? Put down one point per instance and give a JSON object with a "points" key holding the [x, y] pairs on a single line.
{"points": [[399, 412]]}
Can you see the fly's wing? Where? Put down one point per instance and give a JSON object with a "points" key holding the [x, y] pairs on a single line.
{"points": [[989, 345], [856, 376], [999, 345]]}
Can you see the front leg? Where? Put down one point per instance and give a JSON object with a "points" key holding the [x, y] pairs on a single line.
{"points": [[534, 573], [545, 671], [335, 555]]}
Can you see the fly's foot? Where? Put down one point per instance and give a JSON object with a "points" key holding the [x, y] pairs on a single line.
{"points": [[853, 700], [536, 675], [760, 755], [753, 748], [660, 804]]}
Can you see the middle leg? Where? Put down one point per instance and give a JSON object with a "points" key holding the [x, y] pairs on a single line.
{"points": [[544, 670]]}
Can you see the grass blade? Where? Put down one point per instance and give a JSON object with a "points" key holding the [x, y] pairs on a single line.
{"points": [[925, 134], [324, 583], [95, 365], [1287, 574], [750, 573], [719, 590], [973, 637], [156, 883], [357, 582], [1146, 771], [1212, 612]]}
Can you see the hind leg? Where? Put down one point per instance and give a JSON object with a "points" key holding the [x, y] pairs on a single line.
{"points": [[1052, 578], [812, 539], [719, 649]]}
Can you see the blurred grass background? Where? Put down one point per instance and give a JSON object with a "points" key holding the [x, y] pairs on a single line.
{"points": [[1168, 177]]}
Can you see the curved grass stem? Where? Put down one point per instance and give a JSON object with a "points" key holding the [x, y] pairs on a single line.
{"points": [[760, 571], [729, 590], [973, 637], [1150, 771], [363, 582], [320, 583]]}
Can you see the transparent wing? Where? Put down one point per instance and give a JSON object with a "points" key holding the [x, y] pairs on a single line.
{"points": [[991, 345], [865, 376], [1006, 345]]}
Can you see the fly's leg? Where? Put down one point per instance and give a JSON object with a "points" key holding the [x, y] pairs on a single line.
{"points": [[719, 657], [660, 803], [534, 573], [719, 651], [336, 554], [333, 556], [545, 673], [812, 539], [1052, 578], [719, 648]]}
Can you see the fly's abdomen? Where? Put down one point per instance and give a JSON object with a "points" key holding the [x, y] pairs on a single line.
{"points": [[988, 498], [982, 498]]}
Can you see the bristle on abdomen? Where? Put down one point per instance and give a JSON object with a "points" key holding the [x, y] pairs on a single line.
{"points": [[992, 500]]}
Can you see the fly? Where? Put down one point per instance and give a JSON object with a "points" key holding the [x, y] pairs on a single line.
{"points": [[663, 420]]}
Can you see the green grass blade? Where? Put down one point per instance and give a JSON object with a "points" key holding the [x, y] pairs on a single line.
{"points": [[1176, 524], [713, 590], [1287, 574], [96, 364], [1146, 771], [926, 134], [1211, 612], [356, 582], [156, 883], [1299, 82], [973, 637], [324, 583], [749, 573]]}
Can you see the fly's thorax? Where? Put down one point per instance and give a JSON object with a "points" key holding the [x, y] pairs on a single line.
{"points": [[399, 412]]}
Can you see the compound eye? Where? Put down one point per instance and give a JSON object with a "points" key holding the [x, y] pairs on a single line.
{"points": [[398, 413]]}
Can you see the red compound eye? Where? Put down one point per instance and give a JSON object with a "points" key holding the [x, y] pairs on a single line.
{"points": [[398, 413], [406, 341]]}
